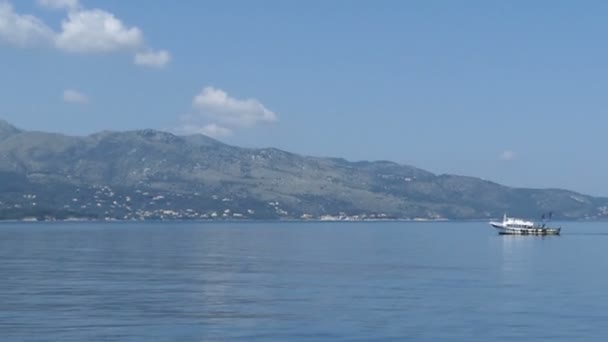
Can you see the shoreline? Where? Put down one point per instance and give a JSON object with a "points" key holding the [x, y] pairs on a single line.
{"points": [[76, 220]]}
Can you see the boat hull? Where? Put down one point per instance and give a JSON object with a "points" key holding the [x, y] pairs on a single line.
{"points": [[525, 231]]}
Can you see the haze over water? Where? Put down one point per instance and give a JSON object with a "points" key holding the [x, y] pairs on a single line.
{"points": [[300, 282]]}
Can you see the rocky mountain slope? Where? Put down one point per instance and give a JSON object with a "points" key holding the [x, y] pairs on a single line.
{"points": [[149, 174]]}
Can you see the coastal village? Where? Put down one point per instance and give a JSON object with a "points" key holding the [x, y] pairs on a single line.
{"points": [[105, 204]]}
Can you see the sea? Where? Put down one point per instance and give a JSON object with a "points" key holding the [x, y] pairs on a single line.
{"points": [[294, 281]]}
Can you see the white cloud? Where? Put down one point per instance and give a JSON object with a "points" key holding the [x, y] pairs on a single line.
{"points": [[216, 104], [217, 114], [215, 130], [212, 130], [508, 155], [74, 96], [156, 59], [22, 30], [60, 4], [91, 31], [190, 125], [82, 31]]}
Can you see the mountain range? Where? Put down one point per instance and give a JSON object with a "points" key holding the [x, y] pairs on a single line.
{"points": [[150, 174]]}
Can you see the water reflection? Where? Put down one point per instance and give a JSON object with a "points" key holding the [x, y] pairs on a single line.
{"points": [[516, 253]]}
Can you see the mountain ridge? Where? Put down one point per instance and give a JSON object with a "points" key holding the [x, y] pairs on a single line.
{"points": [[151, 174]]}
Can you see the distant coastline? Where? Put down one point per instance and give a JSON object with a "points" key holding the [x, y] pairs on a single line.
{"points": [[153, 175], [280, 220]]}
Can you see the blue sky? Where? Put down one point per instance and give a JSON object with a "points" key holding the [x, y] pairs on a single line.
{"points": [[509, 91]]}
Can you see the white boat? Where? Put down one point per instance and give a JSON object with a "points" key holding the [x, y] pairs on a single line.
{"points": [[517, 226]]}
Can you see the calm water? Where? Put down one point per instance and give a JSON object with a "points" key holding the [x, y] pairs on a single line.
{"points": [[299, 282]]}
